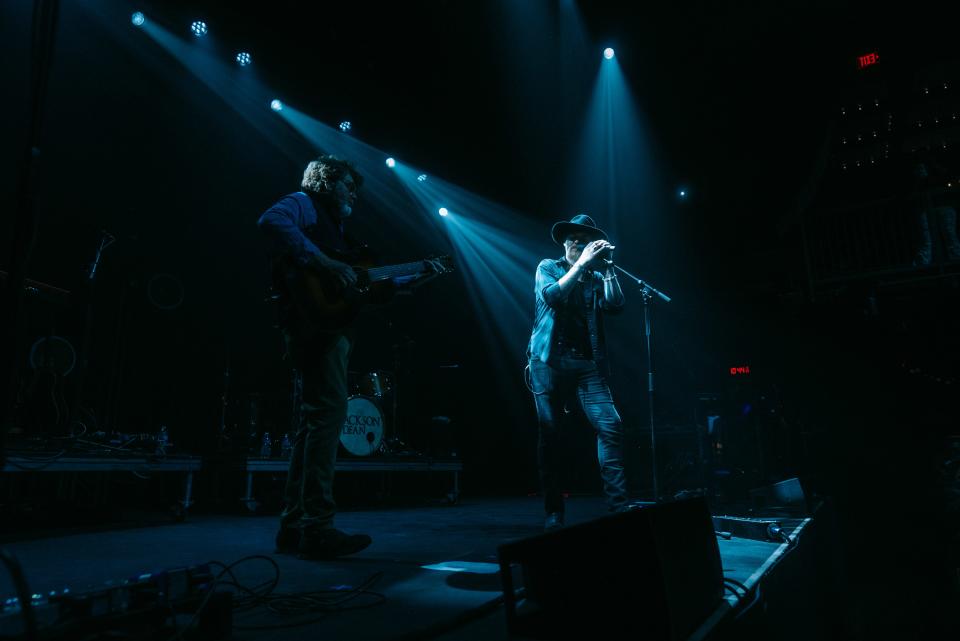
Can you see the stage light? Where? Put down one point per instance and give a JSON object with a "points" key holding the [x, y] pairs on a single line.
{"points": [[421, 178], [608, 53], [345, 126], [199, 28], [391, 163], [443, 211], [138, 19], [276, 105], [682, 193], [244, 58]]}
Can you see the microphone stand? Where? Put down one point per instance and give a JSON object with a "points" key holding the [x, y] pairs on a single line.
{"points": [[224, 402], [86, 341], [647, 292]]}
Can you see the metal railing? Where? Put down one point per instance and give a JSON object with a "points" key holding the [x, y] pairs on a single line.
{"points": [[875, 237]]}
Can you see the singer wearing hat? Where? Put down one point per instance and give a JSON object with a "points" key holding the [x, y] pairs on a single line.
{"points": [[567, 358]]}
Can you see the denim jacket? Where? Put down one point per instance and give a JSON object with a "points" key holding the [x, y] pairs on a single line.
{"points": [[550, 304]]}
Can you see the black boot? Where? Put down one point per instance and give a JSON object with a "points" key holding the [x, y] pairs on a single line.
{"points": [[328, 543], [554, 521], [288, 540]]}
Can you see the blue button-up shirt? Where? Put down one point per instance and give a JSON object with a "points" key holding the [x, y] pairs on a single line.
{"points": [[293, 227], [552, 307]]}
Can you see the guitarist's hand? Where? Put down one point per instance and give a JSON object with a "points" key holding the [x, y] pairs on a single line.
{"points": [[342, 273]]}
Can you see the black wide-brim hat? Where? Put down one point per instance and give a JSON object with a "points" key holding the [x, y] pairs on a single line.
{"points": [[581, 223]]}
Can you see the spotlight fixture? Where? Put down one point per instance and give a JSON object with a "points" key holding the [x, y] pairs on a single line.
{"points": [[391, 163], [138, 19], [682, 193], [345, 126], [276, 105], [421, 178], [244, 58], [443, 211], [199, 28], [608, 53]]}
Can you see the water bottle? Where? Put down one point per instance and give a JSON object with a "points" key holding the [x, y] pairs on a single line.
{"points": [[266, 447], [286, 446], [163, 440]]}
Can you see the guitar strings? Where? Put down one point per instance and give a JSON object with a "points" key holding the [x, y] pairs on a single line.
{"points": [[378, 273]]}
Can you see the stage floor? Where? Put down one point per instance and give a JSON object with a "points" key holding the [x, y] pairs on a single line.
{"points": [[418, 601]]}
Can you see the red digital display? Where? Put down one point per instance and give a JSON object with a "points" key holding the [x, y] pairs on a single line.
{"points": [[868, 59], [739, 370]]}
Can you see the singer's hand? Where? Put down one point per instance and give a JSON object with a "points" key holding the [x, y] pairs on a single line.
{"points": [[592, 250]]}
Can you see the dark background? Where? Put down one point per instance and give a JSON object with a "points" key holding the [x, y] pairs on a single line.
{"points": [[739, 100]]}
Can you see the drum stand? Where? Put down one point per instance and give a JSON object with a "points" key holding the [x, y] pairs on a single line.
{"points": [[394, 445]]}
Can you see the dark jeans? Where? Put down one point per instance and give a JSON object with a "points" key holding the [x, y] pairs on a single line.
{"points": [[322, 361], [552, 388], [944, 223]]}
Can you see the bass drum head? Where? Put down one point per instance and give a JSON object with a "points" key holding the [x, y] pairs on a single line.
{"points": [[362, 431]]}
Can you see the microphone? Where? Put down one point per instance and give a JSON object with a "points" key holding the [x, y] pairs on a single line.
{"points": [[606, 255], [106, 239]]}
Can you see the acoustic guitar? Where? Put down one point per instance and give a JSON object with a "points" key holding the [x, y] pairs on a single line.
{"points": [[319, 300]]}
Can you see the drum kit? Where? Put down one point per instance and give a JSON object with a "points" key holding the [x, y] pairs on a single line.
{"points": [[364, 430]]}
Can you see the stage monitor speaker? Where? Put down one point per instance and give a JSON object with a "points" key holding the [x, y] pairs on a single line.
{"points": [[649, 573], [787, 494]]}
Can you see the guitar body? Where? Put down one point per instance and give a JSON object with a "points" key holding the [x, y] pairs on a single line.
{"points": [[318, 301]]}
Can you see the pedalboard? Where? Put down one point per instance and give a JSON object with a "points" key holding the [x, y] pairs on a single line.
{"points": [[135, 608]]}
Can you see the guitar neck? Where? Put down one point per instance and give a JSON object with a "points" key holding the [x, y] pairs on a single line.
{"points": [[395, 271]]}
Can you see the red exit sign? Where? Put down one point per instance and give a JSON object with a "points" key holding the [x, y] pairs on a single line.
{"points": [[868, 59], [740, 370]]}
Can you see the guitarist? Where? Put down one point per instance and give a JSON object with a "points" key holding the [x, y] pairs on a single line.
{"points": [[295, 228]]}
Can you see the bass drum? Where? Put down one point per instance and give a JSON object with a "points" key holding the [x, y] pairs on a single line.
{"points": [[362, 431]]}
